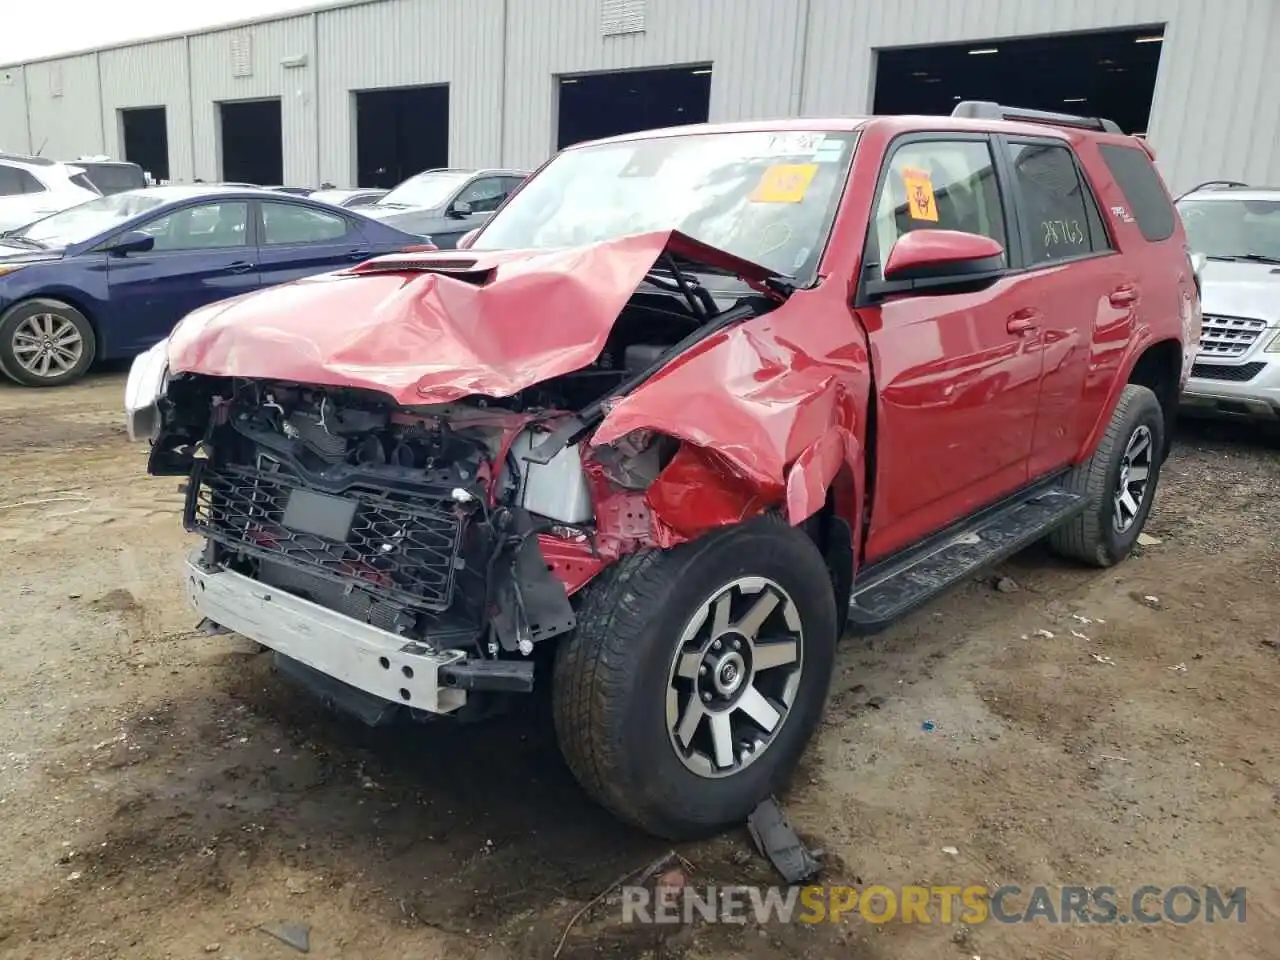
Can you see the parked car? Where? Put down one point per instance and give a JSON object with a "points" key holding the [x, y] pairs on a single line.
{"points": [[32, 187], [1236, 228], [112, 176], [358, 197], [109, 278], [445, 204], [663, 469]]}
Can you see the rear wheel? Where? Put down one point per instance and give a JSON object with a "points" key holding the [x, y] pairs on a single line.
{"points": [[696, 677], [1118, 481], [45, 343]]}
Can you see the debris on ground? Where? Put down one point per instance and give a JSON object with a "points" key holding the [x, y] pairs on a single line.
{"points": [[876, 702], [1102, 658], [1179, 668], [1044, 633], [1006, 585], [638, 877], [296, 935], [951, 851], [1147, 540], [928, 726], [1147, 600], [779, 843]]}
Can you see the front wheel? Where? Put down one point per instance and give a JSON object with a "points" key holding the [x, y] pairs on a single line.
{"points": [[697, 676], [45, 343]]}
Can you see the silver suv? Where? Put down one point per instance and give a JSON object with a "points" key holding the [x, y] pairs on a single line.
{"points": [[1236, 229]]}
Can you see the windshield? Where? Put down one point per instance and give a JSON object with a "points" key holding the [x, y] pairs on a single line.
{"points": [[424, 190], [1233, 229], [767, 197], [81, 223]]}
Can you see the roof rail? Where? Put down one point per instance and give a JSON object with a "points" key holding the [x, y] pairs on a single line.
{"points": [[23, 158], [988, 110], [1214, 185]]}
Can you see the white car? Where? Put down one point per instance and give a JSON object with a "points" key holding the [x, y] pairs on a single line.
{"points": [[31, 188]]}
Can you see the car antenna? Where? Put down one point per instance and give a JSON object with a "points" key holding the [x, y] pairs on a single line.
{"points": [[43, 144]]}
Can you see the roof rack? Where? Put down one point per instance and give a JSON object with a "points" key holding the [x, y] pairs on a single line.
{"points": [[23, 158], [988, 110]]}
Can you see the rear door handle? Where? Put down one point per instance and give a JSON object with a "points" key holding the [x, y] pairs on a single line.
{"points": [[240, 266], [358, 254], [1124, 296], [1023, 321]]}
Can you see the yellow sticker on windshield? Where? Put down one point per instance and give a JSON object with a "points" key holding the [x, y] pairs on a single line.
{"points": [[784, 183], [920, 202]]}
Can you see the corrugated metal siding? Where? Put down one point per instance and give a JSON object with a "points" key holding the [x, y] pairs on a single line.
{"points": [[1214, 114], [149, 75], [213, 80], [64, 98], [13, 111], [400, 43], [751, 46]]}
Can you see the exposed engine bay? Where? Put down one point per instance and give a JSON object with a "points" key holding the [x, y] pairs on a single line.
{"points": [[424, 521]]}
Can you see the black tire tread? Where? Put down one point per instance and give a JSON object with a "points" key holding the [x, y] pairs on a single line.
{"points": [[1083, 538]]}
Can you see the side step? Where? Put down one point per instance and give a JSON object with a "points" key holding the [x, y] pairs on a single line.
{"points": [[889, 590]]}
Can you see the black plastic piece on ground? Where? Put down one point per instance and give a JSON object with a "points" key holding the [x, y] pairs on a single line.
{"points": [[778, 842], [887, 591], [507, 676], [337, 695]]}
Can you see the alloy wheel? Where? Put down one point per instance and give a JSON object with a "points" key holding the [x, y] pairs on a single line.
{"points": [[734, 677], [1135, 477], [47, 345]]}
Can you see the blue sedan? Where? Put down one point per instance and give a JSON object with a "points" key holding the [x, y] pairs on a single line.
{"points": [[109, 278]]}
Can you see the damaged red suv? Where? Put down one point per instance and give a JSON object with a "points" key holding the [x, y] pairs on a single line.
{"points": [[691, 405]]}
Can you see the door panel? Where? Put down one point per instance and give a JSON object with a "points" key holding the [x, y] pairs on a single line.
{"points": [[202, 254], [1080, 287], [298, 241], [957, 375]]}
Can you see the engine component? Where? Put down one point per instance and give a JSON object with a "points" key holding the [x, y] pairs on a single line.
{"points": [[557, 489], [313, 432]]}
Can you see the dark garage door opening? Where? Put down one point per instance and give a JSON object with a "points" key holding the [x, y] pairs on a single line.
{"points": [[146, 140], [1110, 75], [252, 143], [401, 132], [608, 104]]}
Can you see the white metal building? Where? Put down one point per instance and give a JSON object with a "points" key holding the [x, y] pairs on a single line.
{"points": [[1215, 112]]}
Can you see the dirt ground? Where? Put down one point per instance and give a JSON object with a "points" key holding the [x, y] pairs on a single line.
{"points": [[162, 794]]}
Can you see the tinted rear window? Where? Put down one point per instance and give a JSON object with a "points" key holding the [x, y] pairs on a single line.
{"points": [[114, 178], [1142, 187]]}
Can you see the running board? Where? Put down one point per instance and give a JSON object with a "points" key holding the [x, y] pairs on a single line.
{"points": [[893, 588]]}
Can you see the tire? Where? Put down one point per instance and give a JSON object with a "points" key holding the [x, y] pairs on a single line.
{"points": [[614, 676], [1093, 537], [63, 321]]}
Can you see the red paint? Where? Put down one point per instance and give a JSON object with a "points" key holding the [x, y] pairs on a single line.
{"points": [[926, 248], [973, 393]]}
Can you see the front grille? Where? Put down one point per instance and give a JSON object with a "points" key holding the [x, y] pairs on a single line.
{"points": [[1228, 337], [1238, 373], [400, 546]]}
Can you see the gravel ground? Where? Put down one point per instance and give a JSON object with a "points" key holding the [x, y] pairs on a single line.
{"points": [[162, 794]]}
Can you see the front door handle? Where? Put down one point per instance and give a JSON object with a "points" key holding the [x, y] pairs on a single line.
{"points": [[358, 254], [1023, 321], [240, 266], [1124, 296]]}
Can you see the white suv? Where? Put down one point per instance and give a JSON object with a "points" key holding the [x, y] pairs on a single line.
{"points": [[31, 188]]}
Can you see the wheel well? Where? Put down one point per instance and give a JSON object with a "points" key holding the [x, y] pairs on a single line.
{"points": [[73, 302], [1160, 370]]}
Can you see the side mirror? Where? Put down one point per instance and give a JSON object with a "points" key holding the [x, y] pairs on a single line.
{"points": [[133, 241], [460, 209], [465, 241], [934, 261]]}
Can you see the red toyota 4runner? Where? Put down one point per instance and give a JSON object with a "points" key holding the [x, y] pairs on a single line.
{"points": [[692, 404]]}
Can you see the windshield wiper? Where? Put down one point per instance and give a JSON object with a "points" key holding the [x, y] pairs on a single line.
{"points": [[1247, 258], [23, 241]]}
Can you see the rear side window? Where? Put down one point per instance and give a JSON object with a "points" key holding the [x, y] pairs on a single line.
{"points": [[109, 178], [1142, 187], [1058, 210]]}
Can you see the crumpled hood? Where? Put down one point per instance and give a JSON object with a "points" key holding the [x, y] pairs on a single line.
{"points": [[1232, 289], [436, 326]]}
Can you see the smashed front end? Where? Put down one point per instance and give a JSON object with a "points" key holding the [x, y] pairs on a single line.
{"points": [[408, 542]]}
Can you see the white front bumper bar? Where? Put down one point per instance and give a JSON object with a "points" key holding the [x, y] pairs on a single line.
{"points": [[363, 656]]}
